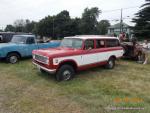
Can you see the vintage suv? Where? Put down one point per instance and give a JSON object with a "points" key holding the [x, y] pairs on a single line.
{"points": [[22, 46], [78, 53]]}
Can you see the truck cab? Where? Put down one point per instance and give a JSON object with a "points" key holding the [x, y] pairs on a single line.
{"points": [[22, 46]]}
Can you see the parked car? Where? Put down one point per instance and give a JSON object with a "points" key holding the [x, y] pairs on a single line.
{"points": [[78, 53], [6, 37], [22, 46]]}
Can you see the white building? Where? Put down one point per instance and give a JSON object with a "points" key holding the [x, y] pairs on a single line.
{"points": [[117, 29]]}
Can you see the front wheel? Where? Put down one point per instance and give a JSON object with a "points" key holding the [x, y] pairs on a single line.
{"points": [[110, 63], [12, 58], [65, 73]]}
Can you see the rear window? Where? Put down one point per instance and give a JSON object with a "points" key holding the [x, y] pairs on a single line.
{"points": [[112, 43]]}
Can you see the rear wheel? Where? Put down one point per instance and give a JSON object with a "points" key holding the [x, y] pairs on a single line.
{"points": [[110, 63], [65, 73], [12, 58]]}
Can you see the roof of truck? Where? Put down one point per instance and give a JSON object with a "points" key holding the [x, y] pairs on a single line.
{"points": [[26, 35], [92, 37]]}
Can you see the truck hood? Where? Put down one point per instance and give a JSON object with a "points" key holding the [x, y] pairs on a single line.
{"points": [[56, 52]]}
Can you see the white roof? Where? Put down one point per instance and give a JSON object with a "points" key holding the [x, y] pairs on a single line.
{"points": [[92, 37]]}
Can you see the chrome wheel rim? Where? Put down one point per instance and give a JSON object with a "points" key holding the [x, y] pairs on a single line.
{"points": [[66, 75], [111, 64], [13, 59]]}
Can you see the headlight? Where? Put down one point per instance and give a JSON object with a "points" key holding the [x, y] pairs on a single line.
{"points": [[33, 56]]}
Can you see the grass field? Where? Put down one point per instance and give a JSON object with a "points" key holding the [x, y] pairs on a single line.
{"points": [[23, 89]]}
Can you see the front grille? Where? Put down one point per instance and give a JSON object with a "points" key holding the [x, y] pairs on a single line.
{"points": [[41, 59]]}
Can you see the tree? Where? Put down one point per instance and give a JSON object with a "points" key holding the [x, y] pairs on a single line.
{"points": [[142, 20], [62, 24], [102, 27], [19, 25], [29, 26], [45, 26], [58, 26], [10, 28], [74, 27], [89, 21]]}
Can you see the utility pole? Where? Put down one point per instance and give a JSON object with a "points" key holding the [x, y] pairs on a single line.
{"points": [[121, 22], [53, 27]]}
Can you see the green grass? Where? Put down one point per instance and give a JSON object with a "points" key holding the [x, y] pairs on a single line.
{"points": [[23, 89]]}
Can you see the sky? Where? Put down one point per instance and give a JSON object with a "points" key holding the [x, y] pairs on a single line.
{"points": [[11, 10]]}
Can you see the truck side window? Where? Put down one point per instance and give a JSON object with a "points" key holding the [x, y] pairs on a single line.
{"points": [[112, 43], [30, 40], [89, 44], [100, 43]]}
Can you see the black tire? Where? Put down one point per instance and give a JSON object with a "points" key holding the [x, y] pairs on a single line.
{"points": [[110, 63], [65, 73], [12, 58], [42, 71]]}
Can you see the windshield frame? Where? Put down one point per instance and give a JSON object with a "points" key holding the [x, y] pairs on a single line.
{"points": [[72, 46], [17, 41]]}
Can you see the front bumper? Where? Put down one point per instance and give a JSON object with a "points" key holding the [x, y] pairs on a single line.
{"points": [[51, 71]]}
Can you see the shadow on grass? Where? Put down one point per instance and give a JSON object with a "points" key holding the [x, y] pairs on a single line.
{"points": [[84, 74], [90, 73], [3, 61], [46, 76]]}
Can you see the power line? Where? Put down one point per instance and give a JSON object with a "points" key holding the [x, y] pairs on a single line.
{"points": [[107, 11]]}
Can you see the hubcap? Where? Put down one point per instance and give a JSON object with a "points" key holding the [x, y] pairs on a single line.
{"points": [[66, 75], [110, 63], [13, 59]]}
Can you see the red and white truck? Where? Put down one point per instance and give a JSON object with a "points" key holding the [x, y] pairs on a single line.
{"points": [[78, 53]]}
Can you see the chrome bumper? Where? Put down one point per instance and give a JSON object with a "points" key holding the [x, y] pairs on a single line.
{"points": [[52, 71]]}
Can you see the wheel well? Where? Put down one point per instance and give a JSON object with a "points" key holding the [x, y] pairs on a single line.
{"points": [[15, 53], [113, 56], [72, 63]]}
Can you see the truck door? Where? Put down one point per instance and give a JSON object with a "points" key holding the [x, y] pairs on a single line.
{"points": [[31, 45], [89, 56], [101, 50]]}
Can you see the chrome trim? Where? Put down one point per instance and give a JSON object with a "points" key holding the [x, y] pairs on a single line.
{"points": [[45, 69], [33, 55]]}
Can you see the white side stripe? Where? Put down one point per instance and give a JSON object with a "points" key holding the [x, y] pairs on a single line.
{"points": [[89, 58]]}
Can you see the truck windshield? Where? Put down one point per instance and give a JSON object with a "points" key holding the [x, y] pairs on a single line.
{"points": [[71, 43], [18, 39]]}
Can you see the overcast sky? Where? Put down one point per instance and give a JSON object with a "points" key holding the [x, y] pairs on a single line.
{"points": [[11, 10]]}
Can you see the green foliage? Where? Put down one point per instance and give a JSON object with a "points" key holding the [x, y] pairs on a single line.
{"points": [[45, 26], [61, 25], [103, 27], [10, 28], [142, 20], [89, 21], [21, 25]]}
